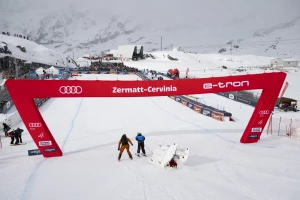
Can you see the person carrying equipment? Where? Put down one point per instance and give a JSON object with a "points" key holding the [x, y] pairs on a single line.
{"points": [[6, 128], [140, 139], [18, 136], [124, 141], [12, 136]]}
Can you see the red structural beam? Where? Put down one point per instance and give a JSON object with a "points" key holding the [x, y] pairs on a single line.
{"points": [[24, 91]]}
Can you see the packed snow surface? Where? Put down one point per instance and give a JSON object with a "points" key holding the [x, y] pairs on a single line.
{"points": [[88, 131]]}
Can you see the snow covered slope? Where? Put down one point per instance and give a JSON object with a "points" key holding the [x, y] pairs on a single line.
{"points": [[88, 130], [210, 65], [34, 52]]}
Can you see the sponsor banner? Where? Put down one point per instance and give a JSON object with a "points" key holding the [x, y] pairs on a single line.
{"points": [[243, 100], [70, 89], [231, 96], [259, 129], [165, 88], [190, 105], [253, 136], [33, 126], [178, 99], [217, 115], [264, 112], [189, 101], [45, 143], [49, 150], [261, 122], [184, 102], [41, 135], [34, 152], [236, 84], [238, 98], [207, 112], [198, 108]]}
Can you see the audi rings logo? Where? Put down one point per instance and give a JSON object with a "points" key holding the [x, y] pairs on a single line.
{"points": [[264, 112], [35, 125], [70, 89]]}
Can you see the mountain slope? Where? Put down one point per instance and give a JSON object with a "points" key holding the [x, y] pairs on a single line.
{"points": [[31, 51], [91, 27]]}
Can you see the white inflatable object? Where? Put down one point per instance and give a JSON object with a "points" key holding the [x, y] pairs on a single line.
{"points": [[165, 153], [181, 156]]}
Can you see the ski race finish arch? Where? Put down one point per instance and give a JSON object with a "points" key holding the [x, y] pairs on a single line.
{"points": [[23, 93]]}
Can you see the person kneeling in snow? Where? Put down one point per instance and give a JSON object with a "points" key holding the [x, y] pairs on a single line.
{"points": [[140, 139], [172, 163], [125, 145]]}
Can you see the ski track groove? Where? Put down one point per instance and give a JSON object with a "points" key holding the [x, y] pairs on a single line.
{"points": [[142, 179], [198, 126], [235, 184], [29, 183], [164, 190]]}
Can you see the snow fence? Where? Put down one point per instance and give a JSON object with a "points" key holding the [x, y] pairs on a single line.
{"points": [[198, 107]]}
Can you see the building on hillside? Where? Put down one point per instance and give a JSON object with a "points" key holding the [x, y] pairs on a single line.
{"points": [[177, 49], [284, 62], [83, 62], [130, 52], [111, 54]]}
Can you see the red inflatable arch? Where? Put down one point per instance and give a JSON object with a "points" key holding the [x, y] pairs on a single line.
{"points": [[23, 93]]}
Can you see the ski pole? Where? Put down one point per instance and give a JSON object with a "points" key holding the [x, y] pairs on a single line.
{"points": [[148, 149]]}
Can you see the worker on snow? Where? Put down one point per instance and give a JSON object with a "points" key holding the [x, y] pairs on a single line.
{"points": [[12, 136], [140, 139], [6, 128], [124, 141]]}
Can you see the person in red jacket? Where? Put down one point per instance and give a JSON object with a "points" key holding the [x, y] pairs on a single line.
{"points": [[124, 144]]}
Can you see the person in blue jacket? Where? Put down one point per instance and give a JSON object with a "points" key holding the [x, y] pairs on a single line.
{"points": [[140, 139]]}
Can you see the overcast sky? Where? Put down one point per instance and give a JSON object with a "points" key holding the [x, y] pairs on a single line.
{"points": [[214, 10], [203, 18]]}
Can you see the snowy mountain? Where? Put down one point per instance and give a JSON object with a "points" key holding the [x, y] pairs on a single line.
{"points": [[267, 28], [30, 51]]}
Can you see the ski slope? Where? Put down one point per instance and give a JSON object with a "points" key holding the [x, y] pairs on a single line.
{"points": [[88, 131], [36, 53]]}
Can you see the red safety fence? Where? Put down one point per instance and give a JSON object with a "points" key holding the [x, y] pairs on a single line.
{"points": [[284, 127]]}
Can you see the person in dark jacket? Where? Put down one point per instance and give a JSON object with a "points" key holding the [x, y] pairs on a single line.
{"points": [[124, 144], [12, 136], [18, 136], [6, 128], [140, 139]]}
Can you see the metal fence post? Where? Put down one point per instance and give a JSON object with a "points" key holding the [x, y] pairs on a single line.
{"points": [[279, 126], [271, 124], [291, 128]]}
